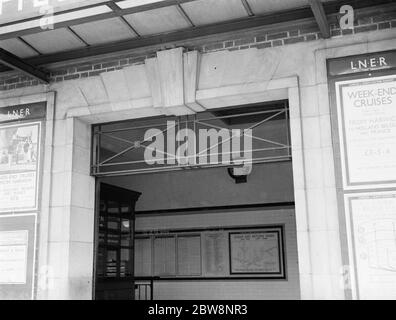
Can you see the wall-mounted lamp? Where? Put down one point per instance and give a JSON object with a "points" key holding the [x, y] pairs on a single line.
{"points": [[240, 172]]}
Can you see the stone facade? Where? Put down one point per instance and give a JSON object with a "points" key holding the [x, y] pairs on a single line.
{"points": [[234, 71]]}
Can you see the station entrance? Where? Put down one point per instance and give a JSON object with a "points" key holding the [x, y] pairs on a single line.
{"points": [[196, 207]]}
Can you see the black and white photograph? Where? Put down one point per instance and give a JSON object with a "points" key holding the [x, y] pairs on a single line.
{"points": [[194, 157], [20, 155], [18, 148]]}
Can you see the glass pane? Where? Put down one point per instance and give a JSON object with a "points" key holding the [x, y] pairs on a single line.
{"points": [[126, 235], [113, 239], [126, 267], [101, 238], [113, 207], [113, 224], [125, 225], [125, 208], [111, 263], [100, 264]]}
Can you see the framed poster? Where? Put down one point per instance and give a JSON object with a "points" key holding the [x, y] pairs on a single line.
{"points": [[366, 110], [215, 254], [257, 252], [17, 256], [13, 256], [165, 256], [19, 166], [189, 255], [371, 223], [143, 257]]}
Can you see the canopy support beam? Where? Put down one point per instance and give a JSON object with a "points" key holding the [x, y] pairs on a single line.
{"points": [[320, 17], [19, 64]]}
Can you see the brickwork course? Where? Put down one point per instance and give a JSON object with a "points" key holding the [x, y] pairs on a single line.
{"points": [[260, 38]]}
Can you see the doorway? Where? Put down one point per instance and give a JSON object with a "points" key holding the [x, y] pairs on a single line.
{"points": [[193, 223], [115, 243]]}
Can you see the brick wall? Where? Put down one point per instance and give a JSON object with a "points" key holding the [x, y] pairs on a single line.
{"points": [[260, 39]]}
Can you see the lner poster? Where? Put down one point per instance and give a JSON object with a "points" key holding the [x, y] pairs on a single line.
{"points": [[13, 256], [372, 243], [367, 128], [19, 166]]}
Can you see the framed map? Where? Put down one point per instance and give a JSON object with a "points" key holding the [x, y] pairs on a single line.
{"points": [[257, 252], [372, 241]]}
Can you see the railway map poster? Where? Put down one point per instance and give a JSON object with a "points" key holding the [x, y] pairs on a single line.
{"points": [[256, 252], [367, 128], [19, 166], [372, 238]]}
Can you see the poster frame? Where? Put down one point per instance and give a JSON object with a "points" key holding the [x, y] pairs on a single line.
{"points": [[33, 264], [38, 165], [333, 76], [348, 198], [345, 164], [41, 111], [281, 252], [226, 230]]}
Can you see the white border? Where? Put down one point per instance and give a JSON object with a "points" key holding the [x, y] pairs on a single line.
{"points": [[38, 166], [34, 245], [341, 130], [26, 256], [352, 262]]}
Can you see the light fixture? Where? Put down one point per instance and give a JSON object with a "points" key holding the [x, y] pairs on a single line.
{"points": [[125, 224], [240, 171]]}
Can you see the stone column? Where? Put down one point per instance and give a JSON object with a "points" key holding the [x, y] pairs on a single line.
{"points": [[71, 225]]}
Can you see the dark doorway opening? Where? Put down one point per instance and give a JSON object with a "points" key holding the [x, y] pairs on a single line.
{"points": [[192, 223], [115, 242]]}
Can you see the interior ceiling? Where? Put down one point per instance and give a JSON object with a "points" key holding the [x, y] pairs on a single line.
{"points": [[85, 26]]}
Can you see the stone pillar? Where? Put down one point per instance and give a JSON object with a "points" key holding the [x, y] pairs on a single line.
{"points": [[318, 234], [71, 225]]}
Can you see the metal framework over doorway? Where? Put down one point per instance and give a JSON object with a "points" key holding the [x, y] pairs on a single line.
{"points": [[121, 148]]}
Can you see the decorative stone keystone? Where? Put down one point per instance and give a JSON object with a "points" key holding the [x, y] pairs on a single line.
{"points": [[173, 77]]}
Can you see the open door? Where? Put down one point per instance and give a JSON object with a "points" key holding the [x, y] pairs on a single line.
{"points": [[115, 209]]}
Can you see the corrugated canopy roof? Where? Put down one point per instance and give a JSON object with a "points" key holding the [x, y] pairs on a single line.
{"points": [[81, 23], [89, 24]]}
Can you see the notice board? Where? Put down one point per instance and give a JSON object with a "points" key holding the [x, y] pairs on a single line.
{"points": [[367, 120], [17, 256], [227, 253], [256, 252], [21, 153], [363, 111]]}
